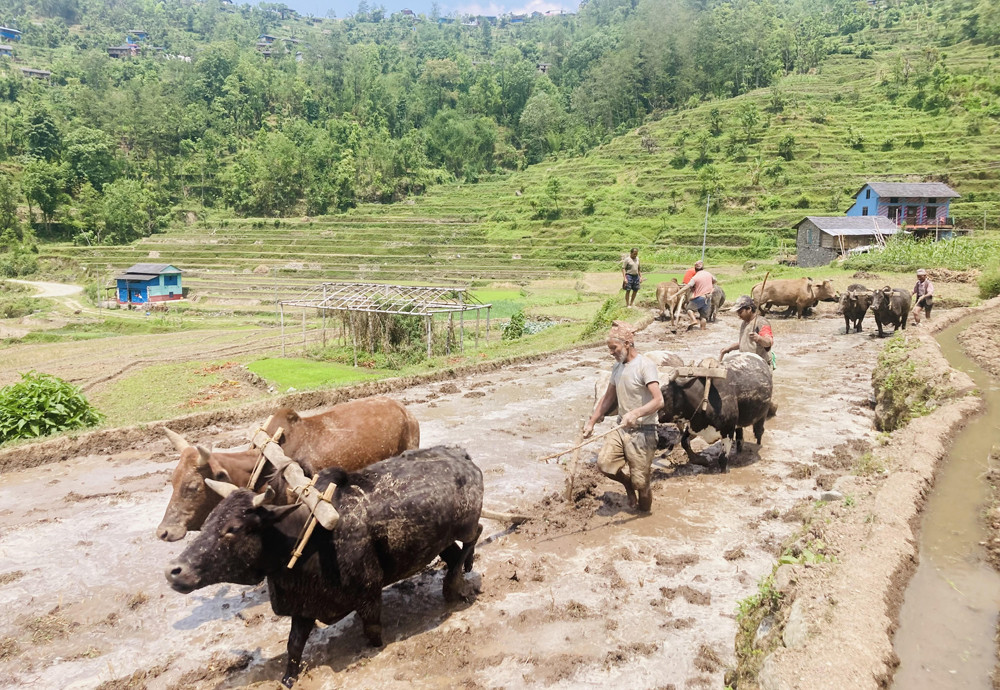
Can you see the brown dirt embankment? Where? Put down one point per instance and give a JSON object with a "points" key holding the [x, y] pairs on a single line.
{"points": [[833, 624]]}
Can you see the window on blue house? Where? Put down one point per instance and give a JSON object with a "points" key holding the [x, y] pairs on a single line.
{"points": [[170, 280], [868, 194], [864, 211]]}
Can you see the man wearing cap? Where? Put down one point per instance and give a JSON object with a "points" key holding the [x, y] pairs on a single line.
{"points": [[635, 388], [755, 331], [702, 286], [631, 275], [924, 290]]}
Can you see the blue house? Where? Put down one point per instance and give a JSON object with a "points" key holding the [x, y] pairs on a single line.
{"points": [[6, 50], [146, 283], [12, 34], [915, 205], [136, 36]]}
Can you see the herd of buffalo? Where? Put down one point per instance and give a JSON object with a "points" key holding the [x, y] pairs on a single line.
{"points": [[401, 507]]}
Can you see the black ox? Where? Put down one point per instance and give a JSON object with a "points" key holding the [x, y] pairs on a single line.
{"points": [[741, 399], [891, 307], [396, 516], [854, 304]]}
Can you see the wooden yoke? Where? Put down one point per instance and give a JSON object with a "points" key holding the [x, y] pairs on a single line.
{"points": [[261, 460], [300, 485], [708, 373]]}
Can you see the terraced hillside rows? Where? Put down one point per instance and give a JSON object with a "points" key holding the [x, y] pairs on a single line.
{"points": [[767, 159]]}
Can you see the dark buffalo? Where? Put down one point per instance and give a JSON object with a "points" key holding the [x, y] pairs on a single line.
{"points": [[741, 399], [350, 436], [396, 516], [854, 304], [715, 301], [891, 307]]}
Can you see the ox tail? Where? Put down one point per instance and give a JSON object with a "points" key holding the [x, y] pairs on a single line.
{"points": [[772, 410], [511, 518]]}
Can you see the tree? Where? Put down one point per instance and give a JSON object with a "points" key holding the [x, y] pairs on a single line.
{"points": [[44, 184], [541, 123], [130, 211], [42, 135], [749, 120], [90, 155], [10, 227]]}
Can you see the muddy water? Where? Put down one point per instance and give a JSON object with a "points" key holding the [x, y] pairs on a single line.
{"points": [[617, 595], [949, 614]]}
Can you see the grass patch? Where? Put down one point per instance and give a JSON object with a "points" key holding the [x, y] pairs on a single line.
{"points": [[750, 613], [305, 374], [867, 465], [167, 390], [902, 390]]}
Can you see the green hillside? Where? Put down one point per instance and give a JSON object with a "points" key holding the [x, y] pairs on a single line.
{"points": [[882, 106]]}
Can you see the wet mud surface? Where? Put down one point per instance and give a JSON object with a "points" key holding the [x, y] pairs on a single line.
{"points": [[586, 593]]}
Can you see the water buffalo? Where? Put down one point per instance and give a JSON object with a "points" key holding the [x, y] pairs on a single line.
{"points": [[670, 296], [854, 304], [891, 307], [396, 516], [798, 294], [715, 302], [351, 435], [741, 399]]}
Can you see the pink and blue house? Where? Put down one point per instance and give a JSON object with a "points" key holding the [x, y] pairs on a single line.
{"points": [[913, 205]]}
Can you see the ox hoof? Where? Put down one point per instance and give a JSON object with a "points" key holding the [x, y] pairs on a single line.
{"points": [[289, 681]]}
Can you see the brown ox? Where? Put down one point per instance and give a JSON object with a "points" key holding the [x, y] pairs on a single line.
{"points": [[795, 293], [351, 436], [670, 295]]}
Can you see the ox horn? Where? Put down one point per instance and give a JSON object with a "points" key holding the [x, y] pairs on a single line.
{"points": [[180, 443], [264, 498], [204, 456], [221, 488]]}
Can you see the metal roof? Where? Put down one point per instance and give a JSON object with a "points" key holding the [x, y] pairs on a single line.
{"points": [[152, 268], [147, 271], [913, 189], [414, 300], [853, 225]]}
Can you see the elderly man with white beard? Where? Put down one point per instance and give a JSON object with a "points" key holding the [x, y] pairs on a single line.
{"points": [[627, 453]]}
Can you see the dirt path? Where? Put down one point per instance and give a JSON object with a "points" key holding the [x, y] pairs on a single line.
{"points": [[50, 289], [590, 594]]}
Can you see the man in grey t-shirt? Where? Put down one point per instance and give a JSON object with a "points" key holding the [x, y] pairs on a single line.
{"points": [[635, 389]]}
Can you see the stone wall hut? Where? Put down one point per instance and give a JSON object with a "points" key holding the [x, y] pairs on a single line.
{"points": [[821, 239]]}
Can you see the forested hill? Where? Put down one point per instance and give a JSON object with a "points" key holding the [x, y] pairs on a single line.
{"points": [[372, 108]]}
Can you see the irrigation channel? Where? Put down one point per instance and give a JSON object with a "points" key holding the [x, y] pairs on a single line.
{"points": [[949, 615]]}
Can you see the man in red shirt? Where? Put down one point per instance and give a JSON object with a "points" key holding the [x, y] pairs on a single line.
{"points": [[698, 265], [701, 293]]}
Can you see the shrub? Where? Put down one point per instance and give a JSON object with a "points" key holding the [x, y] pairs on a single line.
{"points": [[612, 309], [856, 140], [41, 404], [786, 147], [514, 328], [989, 285]]}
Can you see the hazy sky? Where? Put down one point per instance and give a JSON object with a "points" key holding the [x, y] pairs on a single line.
{"points": [[319, 8]]}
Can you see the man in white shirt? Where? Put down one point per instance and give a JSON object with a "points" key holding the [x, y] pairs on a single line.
{"points": [[635, 389]]}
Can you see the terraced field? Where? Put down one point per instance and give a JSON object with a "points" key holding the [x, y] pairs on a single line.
{"points": [[850, 121]]}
